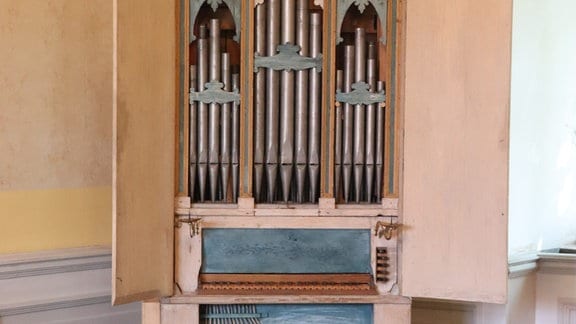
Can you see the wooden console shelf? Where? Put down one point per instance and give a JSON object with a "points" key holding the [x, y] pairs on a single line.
{"points": [[201, 298]]}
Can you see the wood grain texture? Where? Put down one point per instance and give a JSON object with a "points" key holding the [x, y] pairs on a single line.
{"points": [[188, 258], [287, 299], [151, 312], [246, 105], [455, 189], [144, 136], [180, 314], [392, 314]]}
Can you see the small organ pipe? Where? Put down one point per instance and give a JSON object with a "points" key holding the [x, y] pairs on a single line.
{"points": [[379, 160], [235, 140], [338, 139], [301, 100], [347, 129], [272, 98], [259, 100], [214, 112], [287, 103], [314, 106], [371, 70], [192, 138], [359, 113], [202, 113], [225, 129]]}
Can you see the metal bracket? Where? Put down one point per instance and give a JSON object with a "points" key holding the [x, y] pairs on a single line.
{"points": [[194, 225], [360, 95], [287, 59], [215, 94], [386, 229]]}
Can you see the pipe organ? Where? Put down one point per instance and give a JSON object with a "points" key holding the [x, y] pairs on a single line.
{"points": [[297, 99], [285, 102], [290, 160]]}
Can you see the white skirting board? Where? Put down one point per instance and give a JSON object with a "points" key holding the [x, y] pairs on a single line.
{"points": [[62, 286]]}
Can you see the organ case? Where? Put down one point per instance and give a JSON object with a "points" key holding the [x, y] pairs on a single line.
{"points": [[288, 157]]}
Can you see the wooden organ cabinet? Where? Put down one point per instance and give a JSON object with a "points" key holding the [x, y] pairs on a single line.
{"points": [[309, 161]]}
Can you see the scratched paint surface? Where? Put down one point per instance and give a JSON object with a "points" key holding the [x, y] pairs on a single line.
{"points": [[318, 314], [293, 314], [285, 251]]}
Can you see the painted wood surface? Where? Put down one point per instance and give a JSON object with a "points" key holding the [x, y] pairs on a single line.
{"points": [[315, 313], [455, 188], [197, 298], [151, 312], [180, 314], [144, 136], [392, 314], [285, 251]]}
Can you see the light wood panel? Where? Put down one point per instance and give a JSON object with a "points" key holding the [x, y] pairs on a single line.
{"points": [[455, 189], [180, 314], [287, 299], [144, 136], [151, 312], [392, 314]]}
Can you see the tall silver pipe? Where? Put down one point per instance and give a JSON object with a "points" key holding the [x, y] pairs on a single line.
{"points": [[300, 108], [338, 139], [287, 103], [259, 101], [380, 137], [192, 135], [214, 112], [235, 140], [272, 99], [202, 113], [314, 107], [371, 71], [348, 120], [359, 113], [225, 130]]}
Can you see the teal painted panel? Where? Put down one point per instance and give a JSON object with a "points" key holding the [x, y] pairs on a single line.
{"points": [[289, 314], [317, 314], [285, 251]]}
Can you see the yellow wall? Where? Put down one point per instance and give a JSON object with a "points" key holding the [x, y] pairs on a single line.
{"points": [[55, 124]]}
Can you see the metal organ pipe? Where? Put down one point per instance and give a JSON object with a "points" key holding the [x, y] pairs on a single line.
{"points": [[287, 103], [272, 98], [380, 119], [225, 129], [300, 109], [371, 70], [235, 140], [202, 46], [214, 112], [314, 107], [359, 113], [192, 137], [347, 128], [259, 100]]}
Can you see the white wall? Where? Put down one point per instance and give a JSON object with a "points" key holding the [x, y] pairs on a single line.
{"points": [[543, 126]]}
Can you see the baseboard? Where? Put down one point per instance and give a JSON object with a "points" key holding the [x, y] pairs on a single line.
{"points": [[522, 265], [65, 285]]}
